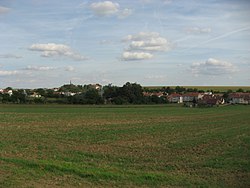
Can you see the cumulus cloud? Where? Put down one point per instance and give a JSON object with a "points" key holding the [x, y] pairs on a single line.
{"points": [[10, 56], [104, 8], [39, 68], [8, 73], [53, 50], [213, 67], [131, 56], [4, 10], [142, 45], [148, 41], [198, 30], [109, 8]]}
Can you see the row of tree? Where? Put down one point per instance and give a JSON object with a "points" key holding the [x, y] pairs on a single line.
{"points": [[129, 93]]}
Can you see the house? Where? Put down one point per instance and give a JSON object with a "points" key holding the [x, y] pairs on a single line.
{"points": [[55, 89], [158, 94], [6, 91], [68, 93], [210, 100], [35, 95], [220, 98], [190, 97], [175, 98], [147, 94], [10, 92], [239, 98], [150, 94], [97, 86]]}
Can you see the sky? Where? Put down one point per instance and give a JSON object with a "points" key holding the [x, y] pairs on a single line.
{"points": [[48, 43]]}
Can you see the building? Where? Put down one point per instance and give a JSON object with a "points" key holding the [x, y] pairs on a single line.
{"points": [[190, 97], [239, 98], [175, 98], [35, 95], [150, 94], [210, 100], [6, 91]]}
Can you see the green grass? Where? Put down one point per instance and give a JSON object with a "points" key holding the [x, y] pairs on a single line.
{"points": [[124, 146]]}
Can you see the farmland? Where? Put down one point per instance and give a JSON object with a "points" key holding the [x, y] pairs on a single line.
{"points": [[124, 146]]}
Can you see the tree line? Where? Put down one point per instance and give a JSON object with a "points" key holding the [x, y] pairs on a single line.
{"points": [[129, 93]]}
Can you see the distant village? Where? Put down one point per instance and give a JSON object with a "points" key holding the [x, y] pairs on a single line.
{"points": [[129, 93], [206, 99]]}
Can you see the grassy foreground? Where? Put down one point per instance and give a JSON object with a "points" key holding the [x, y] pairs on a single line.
{"points": [[124, 146]]}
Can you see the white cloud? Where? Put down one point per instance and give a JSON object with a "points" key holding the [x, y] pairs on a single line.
{"points": [[104, 8], [142, 45], [148, 41], [8, 73], [52, 50], [131, 56], [108, 8], [40, 68], [4, 10], [9, 56], [198, 30], [69, 68], [213, 67]]}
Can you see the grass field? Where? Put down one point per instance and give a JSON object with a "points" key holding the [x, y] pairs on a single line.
{"points": [[124, 146], [206, 88]]}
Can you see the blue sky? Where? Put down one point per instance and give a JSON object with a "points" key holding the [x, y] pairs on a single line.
{"points": [[47, 43]]}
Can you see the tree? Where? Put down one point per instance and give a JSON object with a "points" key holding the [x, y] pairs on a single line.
{"points": [[40, 91], [19, 96], [71, 88], [240, 90], [92, 97], [89, 97], [110, 92], [132, 93], [169, 90], [179, 89], [158, 100], [8, 88]]}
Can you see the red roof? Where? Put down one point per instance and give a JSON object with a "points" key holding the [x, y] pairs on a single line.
{"points": [[239, 95], [175, 95], [191, 95]]}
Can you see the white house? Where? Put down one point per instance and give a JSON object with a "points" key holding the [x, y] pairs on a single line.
{"points": [[4, 91], [35, 95], [239, 98], [175, 98]]}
